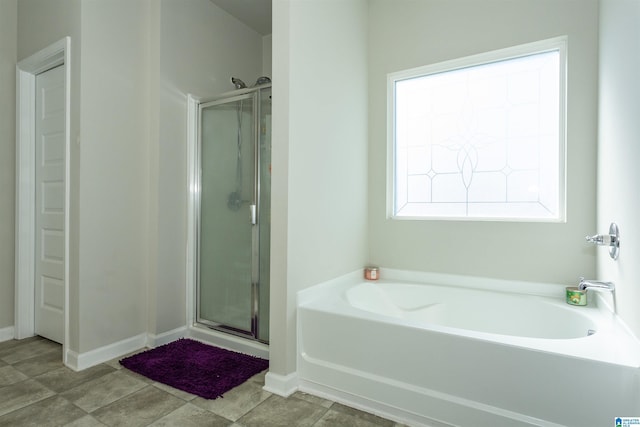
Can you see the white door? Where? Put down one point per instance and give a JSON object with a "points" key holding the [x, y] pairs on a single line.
{"points": [[49, 206]]}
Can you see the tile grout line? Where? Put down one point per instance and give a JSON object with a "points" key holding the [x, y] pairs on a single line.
{"points": [[107, 375]]}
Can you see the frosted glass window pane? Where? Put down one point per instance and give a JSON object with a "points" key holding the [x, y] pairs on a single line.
{"points": [[488, 187], [524, 186], [481, 141], [419, 160], [418, 189], [524, 153], [447, 188]]}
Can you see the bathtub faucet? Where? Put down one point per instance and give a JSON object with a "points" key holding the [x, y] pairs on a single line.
{"points": [[586, 284]]}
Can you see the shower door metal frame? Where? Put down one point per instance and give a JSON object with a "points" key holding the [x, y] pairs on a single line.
{"points": [[242, 94]]}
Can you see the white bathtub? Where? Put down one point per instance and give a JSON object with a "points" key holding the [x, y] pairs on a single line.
{"points": [[470, 356]]}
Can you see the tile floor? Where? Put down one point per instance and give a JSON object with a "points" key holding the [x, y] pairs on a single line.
{"points": [[36, 389]]}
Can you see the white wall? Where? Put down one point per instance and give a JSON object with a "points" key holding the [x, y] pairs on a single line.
{"points": [[8, 54], [319, 199], [108, 153], [113, 175], [408, 33], [109, 126], [267, 50], [619, 150], [200, 48]]}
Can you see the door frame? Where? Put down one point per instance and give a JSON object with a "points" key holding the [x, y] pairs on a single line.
{"points": [[239, 342], [56, 54], [252, 331]]}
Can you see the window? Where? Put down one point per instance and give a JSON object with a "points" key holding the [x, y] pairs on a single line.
{"points": [[480, 138]]}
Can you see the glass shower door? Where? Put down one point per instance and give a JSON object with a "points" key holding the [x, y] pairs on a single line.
{"points": [[228, 237]]}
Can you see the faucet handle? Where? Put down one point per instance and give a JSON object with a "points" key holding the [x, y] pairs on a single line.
{"points": [[592, 239], [612, 240], [600, 239]]}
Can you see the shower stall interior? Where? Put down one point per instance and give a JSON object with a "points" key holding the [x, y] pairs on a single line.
{"points": [[233, 211]]}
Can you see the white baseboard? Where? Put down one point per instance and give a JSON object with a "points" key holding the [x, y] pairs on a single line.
{"points": [[7, 333], [81, 361], [282, 385], [166, 337]]}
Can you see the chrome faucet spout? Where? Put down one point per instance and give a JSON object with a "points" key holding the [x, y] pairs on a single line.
{"points": [[586, 284]]}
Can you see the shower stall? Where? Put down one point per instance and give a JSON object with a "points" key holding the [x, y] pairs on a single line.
{"points": [[232, 195]]}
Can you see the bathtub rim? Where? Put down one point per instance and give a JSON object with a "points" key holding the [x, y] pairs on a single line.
{"points": [[423, 277], [586, 316], [593, 347]]}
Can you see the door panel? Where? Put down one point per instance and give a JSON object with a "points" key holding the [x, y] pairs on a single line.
{"points": [[226, 268], [50, 185]]}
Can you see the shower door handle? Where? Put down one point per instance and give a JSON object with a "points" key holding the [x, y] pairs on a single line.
{"points": [[254, 219]]}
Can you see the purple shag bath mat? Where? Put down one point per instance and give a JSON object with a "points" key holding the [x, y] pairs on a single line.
{"points": [[196, 368]]}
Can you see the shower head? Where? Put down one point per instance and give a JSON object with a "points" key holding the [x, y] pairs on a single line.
{"points": [[262, 80], [239, 84]]}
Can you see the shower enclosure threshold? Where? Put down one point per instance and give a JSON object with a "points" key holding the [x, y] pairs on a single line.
{"points": [[229, 341], [220, 327]]}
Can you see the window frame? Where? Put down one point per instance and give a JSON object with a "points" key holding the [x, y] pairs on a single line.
{"points": [[554, 44]]}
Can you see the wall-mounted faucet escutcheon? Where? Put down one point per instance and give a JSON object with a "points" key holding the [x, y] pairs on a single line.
{"points": [[612, 240]]}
